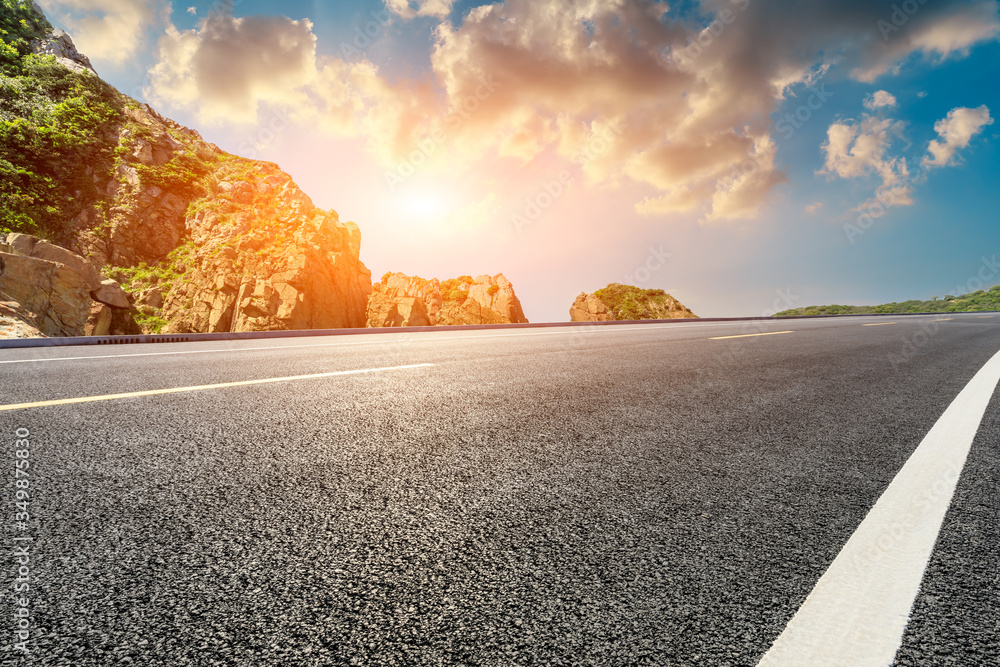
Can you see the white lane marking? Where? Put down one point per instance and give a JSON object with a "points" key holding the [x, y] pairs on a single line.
{"points": [[857, 613], [442, 337], [770, 333], [204, 387]]}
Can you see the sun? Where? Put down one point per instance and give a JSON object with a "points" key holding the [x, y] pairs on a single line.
{"points": [[424, 205]]}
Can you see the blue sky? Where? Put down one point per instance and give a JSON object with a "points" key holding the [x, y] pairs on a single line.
{"points": [[665, 154]]}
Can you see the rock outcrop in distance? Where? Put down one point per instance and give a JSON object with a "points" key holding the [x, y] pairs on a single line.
{"points": [[399, 300], [201, 240], [624, 302]]}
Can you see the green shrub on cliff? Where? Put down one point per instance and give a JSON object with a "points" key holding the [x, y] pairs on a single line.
{"points": [[451, 289], [19, 26], [53, 131], [182, 176], [631, 303]]}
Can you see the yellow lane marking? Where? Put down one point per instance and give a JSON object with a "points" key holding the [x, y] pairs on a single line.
{"points": [[204, 387], [879, 324], [946, 319], [985, 317], [773, 333]]}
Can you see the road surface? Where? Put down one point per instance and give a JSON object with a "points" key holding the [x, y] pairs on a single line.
{"points": [[624, 495]]}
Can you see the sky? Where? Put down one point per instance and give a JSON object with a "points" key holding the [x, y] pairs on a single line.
{"points": [[746, 156]]}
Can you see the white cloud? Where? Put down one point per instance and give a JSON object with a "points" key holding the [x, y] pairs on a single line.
{"points": [[861, 149], [692, 105], [856, 150], [880, 99], [813, 209], [955, 131], [192, 10], [354, 99], [626, 89], [683, 128], [106, 30], [227, 67], [948, 30]]}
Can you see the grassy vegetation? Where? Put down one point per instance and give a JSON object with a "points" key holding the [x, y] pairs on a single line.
{"points": [[51, 130], [451, 289], [138, 278], [982, 300], [151, 323], [631, 303], [19, 26], [184, 175]]}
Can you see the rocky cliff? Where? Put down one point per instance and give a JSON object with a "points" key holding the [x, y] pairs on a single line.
{"points": [[399, 300], [257, 255], [200, 240], [624, 302], [55, 292]]}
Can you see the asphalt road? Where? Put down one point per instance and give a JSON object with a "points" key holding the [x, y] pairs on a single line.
{"points": [[634, 495]]}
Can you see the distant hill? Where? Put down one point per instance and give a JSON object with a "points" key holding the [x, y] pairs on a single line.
{"points": [[625, 302], [982, 300]]}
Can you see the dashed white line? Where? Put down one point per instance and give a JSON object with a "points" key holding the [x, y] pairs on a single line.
{"points": [[857, 613]]}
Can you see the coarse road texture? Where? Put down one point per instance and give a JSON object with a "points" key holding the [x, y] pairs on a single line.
{"points": [[625, 495]]}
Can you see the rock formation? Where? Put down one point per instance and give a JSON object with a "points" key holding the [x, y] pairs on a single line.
{"points": [[262, 258], [408, 301], [14, 322], [624, 302], [60, 45], [201, 240], [588, 308], [54, 291]]}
